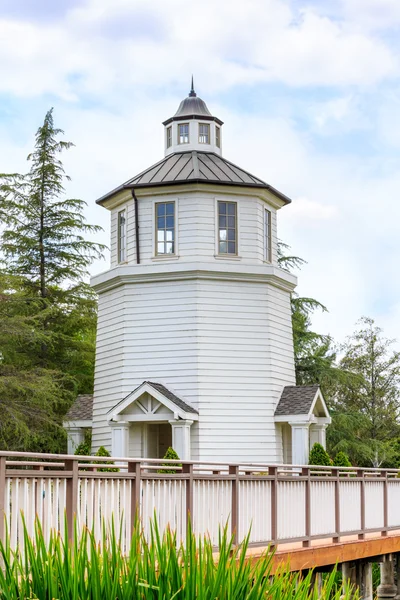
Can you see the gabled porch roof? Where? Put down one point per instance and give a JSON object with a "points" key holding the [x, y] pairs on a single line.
{"points": [[302, 403], [163, 396]]}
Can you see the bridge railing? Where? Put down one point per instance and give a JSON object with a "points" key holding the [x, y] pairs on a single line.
{"points": [[278, 503]]}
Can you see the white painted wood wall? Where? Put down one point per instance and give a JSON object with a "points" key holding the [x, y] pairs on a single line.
{"points": [[222, 344]]}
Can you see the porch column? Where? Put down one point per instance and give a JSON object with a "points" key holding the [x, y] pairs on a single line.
{"points": [[300, 442], [318, 434], [76, 435], [119, 438], [181, 438]]}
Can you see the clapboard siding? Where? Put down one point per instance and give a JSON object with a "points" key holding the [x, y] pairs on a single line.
{"points": [[196, 227], [223, 346], [237, 396]]}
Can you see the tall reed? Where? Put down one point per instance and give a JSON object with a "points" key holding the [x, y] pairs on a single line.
{"points": [[157, 568]]}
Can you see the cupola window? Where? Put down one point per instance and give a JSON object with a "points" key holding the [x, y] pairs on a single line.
{"points": [[267, 235], [183, 133], [204, 133], [169, 137], [218, 136], [227, 228], [165, 228], [122, 236]]}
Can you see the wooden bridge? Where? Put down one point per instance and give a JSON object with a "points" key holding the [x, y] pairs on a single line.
{"points": [[314, 517]]}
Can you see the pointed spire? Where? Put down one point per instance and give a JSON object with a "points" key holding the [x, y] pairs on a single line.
{"points": [[192, 93]]}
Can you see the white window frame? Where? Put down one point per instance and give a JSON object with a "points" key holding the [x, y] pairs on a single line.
{"points": [[267, 235], [179, 133], [226, 256], [155, 255], [169, 137], [218, 136], [207, 125], [121, 258]]}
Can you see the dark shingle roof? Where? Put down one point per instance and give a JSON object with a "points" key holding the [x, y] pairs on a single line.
{"points": [[171, 396], [82, 409], [194, 167], [296, 400]]}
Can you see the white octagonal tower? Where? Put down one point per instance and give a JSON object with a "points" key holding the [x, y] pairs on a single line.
{"points": [[194, 342]]}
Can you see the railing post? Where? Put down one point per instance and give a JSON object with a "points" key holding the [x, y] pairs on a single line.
{"points": [[385, 504], [135, 467], [2, 495], [361, 535], [335, 473], [189, 495], [234, 470], [305, 471], [273, 471], [72, 494]]}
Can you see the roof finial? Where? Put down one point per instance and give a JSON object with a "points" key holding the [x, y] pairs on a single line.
{"points": [[192, 92]]}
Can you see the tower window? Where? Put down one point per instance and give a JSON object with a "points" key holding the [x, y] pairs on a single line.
{"points": [[165, 228], [218, 136], [183, 133], [169, 137], [204, 134], [267, 236], [122, 236], [227, 228]]}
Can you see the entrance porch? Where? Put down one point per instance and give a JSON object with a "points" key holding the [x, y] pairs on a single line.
{"points": [[301, 419], [149, 420]]}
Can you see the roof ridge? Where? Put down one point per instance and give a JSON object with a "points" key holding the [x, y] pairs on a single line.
{"points": [[195, 164]]}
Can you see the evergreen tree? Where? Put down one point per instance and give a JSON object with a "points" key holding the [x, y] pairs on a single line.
{"points": [[47, 310], [366, 408], [44, 236], [314, 355], [319, 456], [342, 460]]}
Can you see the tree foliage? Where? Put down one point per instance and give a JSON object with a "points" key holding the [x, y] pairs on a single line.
{"points": [[314, 353], [47, 310], [366, 407]]}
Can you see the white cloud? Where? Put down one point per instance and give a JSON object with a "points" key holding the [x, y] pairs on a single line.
{"points": [[304, 209], [372, 14], [345, 208], [92, 52]]}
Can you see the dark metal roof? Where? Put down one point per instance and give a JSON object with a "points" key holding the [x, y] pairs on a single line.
{"points": [[192, 105], [82, 409], [296, 400], [194, 167], [171, 396]]}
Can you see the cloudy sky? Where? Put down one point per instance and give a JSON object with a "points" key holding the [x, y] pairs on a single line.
{"points": [[308, 91]]}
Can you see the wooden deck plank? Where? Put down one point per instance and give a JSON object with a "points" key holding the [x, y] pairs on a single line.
{"points": [[297, 559]]}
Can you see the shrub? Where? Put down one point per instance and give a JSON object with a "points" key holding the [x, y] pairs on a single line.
{"points": [[170, 455], [103, 452], [85, 447], [342, 460], [319, 456]]}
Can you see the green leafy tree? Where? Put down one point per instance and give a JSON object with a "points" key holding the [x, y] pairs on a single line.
{"points": [[47, 310], [366, 408], [319, 456]]}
